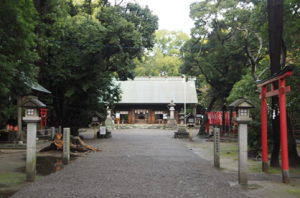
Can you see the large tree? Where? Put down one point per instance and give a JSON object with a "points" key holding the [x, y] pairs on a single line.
{"points": [[84, 46], [214, 51], [165, 58], [257, 32], [276, 46], [17, 48]]}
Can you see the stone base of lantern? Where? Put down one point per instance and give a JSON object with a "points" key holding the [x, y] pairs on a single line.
{"points": [[181, 135], [171, 124]]}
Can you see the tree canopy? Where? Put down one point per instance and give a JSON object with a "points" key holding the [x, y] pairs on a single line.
{"points": [[83, 47], [165, 58], [17, 47]]}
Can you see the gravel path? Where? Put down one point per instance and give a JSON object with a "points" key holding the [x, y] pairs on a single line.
{"points": [[138, 163]]}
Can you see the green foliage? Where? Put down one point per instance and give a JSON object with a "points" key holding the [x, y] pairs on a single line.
{"points": [[189, 109], [84, 47], [17, 47], [215, 52], [165, 58], [292, 99], [246, 87]]}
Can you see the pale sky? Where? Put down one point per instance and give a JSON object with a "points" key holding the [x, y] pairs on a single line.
{"points": [[172, 14]]}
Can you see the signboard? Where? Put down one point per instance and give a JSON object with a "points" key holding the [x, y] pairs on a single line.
{"points": [[217, 147], [117, 115], [66, 146], [217, 142], [102, 130]]}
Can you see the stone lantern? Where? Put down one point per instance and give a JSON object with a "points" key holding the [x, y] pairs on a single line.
{"points": [[95, 122], [109, 123], [242, 107], [32, 106], [190, 122], [172, 109], [181, 115], [171, 124], [181, 133]]}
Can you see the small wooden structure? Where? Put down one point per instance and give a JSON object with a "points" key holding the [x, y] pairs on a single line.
{"points": [[191, 119], [96, 118], [96, 121]]}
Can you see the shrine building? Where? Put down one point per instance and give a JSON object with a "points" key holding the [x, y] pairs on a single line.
{"points": [[145, 99]]}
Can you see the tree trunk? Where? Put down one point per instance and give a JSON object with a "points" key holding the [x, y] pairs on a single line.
{"points": [[203, 125], [77, 145], [275, 27], [294, 159]]}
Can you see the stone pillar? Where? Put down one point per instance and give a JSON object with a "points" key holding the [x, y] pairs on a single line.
{"points": [[66, 147], [52, 132], [172, 113], [216, 132], [243, 154], [31, 147]]}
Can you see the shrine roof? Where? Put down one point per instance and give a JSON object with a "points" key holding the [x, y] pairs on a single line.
{"points": [[158, 90]]}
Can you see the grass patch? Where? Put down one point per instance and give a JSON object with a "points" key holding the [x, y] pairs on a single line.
{"points": [[256, 167], [293, 192], [12, 178], [229, 150]]}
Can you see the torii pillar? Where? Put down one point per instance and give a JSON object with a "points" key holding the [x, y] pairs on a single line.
{"points": [[280, 78]]}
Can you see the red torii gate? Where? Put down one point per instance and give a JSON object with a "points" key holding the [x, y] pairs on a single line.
{"points": [[43, 112], [280, 78]]}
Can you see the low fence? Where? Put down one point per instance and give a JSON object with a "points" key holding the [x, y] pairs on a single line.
{"points": [[228, 132], [46, 132], [42, 133]]}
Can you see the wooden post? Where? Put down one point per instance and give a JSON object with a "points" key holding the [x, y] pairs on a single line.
{"points": [[283, 133], [264, 129], [66, 148]]}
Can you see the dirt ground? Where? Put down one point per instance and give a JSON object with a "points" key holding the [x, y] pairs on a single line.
{"points": [[13, 177], [229, 163]]}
